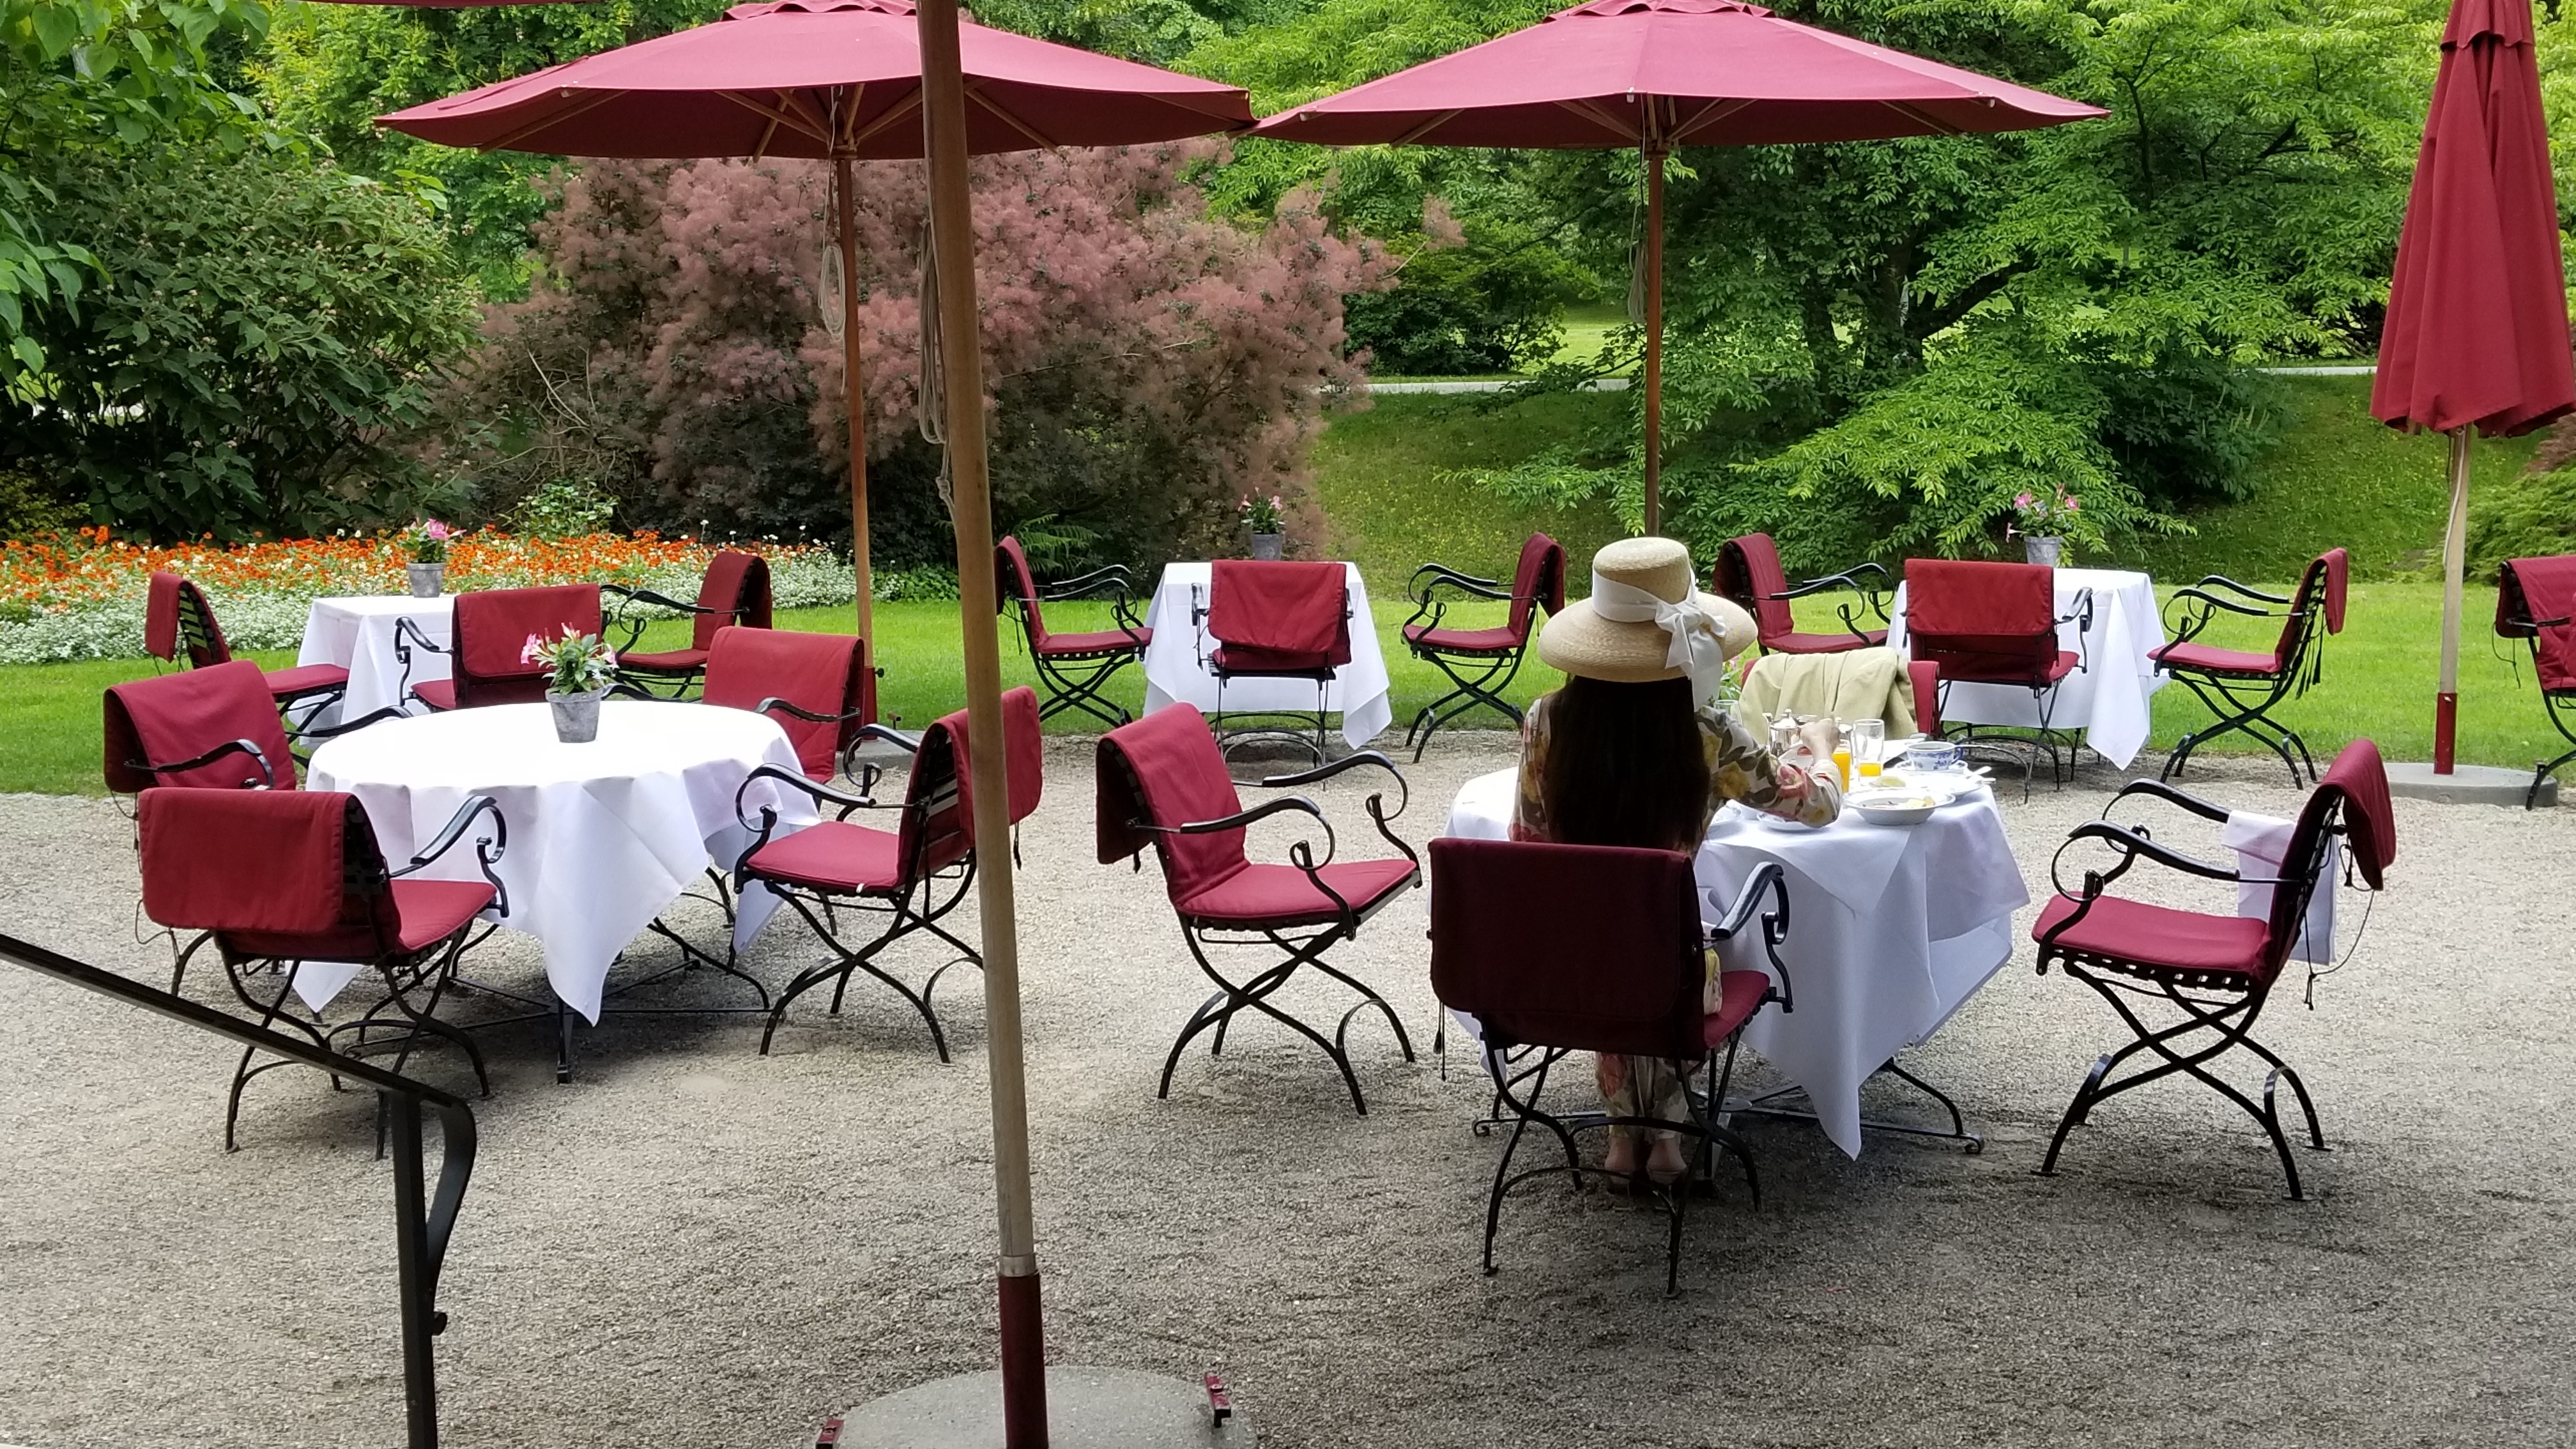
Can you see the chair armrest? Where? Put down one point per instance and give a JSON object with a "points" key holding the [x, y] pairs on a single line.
{"points": [[1107, 576], [373, 716], [487, 849], [2202, 596], [2133, 846], [1767, 881], [2222, 581], [635, 595], [267, 772], [866, 775], [2158, 789], [800, 712], [1436, 576], [1291, 804], [1376, 804], [2082, 617], [796, 780]]}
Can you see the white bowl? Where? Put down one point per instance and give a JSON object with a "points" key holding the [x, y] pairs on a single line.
{"points": [[1895, 808]]}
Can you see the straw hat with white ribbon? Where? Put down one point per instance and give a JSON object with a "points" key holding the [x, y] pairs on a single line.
{"points": [[1647, 620]]}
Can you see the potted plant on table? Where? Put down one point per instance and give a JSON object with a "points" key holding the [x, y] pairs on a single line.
{"points": [[2044, 523], [582, 668], [428, 567], [1269, 534]]}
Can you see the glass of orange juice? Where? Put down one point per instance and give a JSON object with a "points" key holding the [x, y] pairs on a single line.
{"points": [[1867, 741], [1843, 752]]}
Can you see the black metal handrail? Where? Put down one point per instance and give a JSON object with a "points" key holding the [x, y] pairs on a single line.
{"points": [[421, 1226]]}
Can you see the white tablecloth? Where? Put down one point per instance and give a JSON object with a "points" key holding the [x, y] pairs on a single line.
{"points": [[1890, 930], [358, 635], [602, 836], [1176, 672], [2108, 699]]}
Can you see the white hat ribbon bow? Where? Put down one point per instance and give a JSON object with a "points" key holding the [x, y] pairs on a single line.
{"points": [[1698, 637]]}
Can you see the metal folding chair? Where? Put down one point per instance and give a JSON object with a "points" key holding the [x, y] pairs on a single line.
{"points": [[1996, 623], [2536, 601], [491, 631], [2215, 972], [284, 878], [2242, 687], [1748, 572], [1268, 619], [1480, 663], [1073, 667], [734, 594], [1163, 781], [912, 877], [176, 616], [1556, 949]]}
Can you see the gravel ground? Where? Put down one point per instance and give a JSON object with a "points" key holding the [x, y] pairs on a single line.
{"points": [[691, 1244]]}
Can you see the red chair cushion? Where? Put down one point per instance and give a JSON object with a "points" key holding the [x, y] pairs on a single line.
{"points": [[242, 860], [821, 673], [491, 632], [834, 857], [1281, 895], [1465, 641], [1823, 643], [1245, 659], [1739, 995], [1023, 749], [426, 912], [1013, 580], [666, 661], [2067, 660], [1538, 581], [306, 679], [735, 591], [175, 717], [1283, 615], [2211, 660], [2160, 936], [436, 693], [161, 615], [1106, 641], [1179, 777], [2542, 589], [1750, 574]]}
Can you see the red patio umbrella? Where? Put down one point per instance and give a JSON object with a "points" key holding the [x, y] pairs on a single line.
{"points": [[2476, 333], [1655, 74], [836, 80]]}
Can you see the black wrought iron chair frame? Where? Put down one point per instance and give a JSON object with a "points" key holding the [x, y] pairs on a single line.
{"points": [[1512, 1064], [639, 680], [2046, 737], [2223, 1005], [2559, 704], [1492, 670], [1299, 946], [1075, 681], [1228, 740], [403, 973], [922, 899], [1873, 596], [2244, 702]]}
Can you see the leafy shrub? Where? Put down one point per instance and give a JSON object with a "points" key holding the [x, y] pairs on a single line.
{"points": [[1147, 365], [2534, 516], [2186, 429], [264, 330], [1491, 300], [564, 508], [28, 508]]}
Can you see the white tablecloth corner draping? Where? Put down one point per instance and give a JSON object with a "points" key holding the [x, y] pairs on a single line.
{"points": [[1176, 671], [1890, 931], [2109, 698], [602, 836]]}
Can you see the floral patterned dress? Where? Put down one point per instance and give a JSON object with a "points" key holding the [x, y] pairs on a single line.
{"points": [[1741, 768]]}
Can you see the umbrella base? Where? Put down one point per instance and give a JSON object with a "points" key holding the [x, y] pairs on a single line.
{"points": [[1087, 1408], [2466, 784]]}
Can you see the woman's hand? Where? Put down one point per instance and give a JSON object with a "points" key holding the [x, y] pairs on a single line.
{"points": [[1820, 736]]}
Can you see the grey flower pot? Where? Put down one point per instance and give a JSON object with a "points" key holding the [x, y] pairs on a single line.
{"points": [[2038, 550], [428, 581], [576, 715], [1269, 545]]}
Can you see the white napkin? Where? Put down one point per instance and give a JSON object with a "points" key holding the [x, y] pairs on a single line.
{"points": [[2259, 842]]}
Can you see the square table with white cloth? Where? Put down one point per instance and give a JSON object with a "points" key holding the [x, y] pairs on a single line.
{"points": [[358, 635], [1891, 929], [2107, 699], [602, 836], [1176, 672]]}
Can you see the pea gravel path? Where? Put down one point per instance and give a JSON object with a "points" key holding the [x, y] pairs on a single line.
{"points": [[693, 1245]]}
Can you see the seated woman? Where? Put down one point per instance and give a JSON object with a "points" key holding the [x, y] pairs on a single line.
{"points": [[1633, 751]]}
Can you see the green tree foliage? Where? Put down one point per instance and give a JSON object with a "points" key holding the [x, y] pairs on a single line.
{"points": [[263, 331], [1486, 296]]}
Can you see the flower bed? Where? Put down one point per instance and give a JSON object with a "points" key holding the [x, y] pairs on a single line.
{"points": [[80, 596]]}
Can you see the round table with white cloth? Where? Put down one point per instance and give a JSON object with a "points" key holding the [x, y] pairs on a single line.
{"points": [[1177, 672], [602, 836], [2108, 698], [358, 635], [1891, 929]]}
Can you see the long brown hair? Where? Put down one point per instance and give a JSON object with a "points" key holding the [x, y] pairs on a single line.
{"points": [[1625, 765]]}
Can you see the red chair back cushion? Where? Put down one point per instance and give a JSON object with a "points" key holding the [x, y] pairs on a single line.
{"points": [[825, 673], [1165, 769], [177, 717], [1014, 581], [246, 860], [1023, 750], [736, 589], [2541, 589], [161, 615], [1537, 582], [1276, 615], [1592, 947], [1748, 571], [492, 629], [1982, 621], [1926, 677]]}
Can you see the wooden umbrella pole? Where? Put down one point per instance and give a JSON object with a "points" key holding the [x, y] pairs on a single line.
{"points": [[1654, 337], [2455, 549], [943, 93], [845, 235]]}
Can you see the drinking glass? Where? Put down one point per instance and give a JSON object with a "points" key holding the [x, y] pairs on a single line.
{"points": [[1868, 742], [1843, 751]]}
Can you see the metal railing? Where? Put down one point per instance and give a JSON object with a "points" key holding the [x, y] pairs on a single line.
{"points": [[421, 1225]]}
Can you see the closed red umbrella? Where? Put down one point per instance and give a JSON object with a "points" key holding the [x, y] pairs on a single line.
{"points": [[836, 80], [2476, 334], [1655, 74]]}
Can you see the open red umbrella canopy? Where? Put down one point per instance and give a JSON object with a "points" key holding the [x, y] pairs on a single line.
{"points": [[822, 78], [1618, 73], [2477, 309]]}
